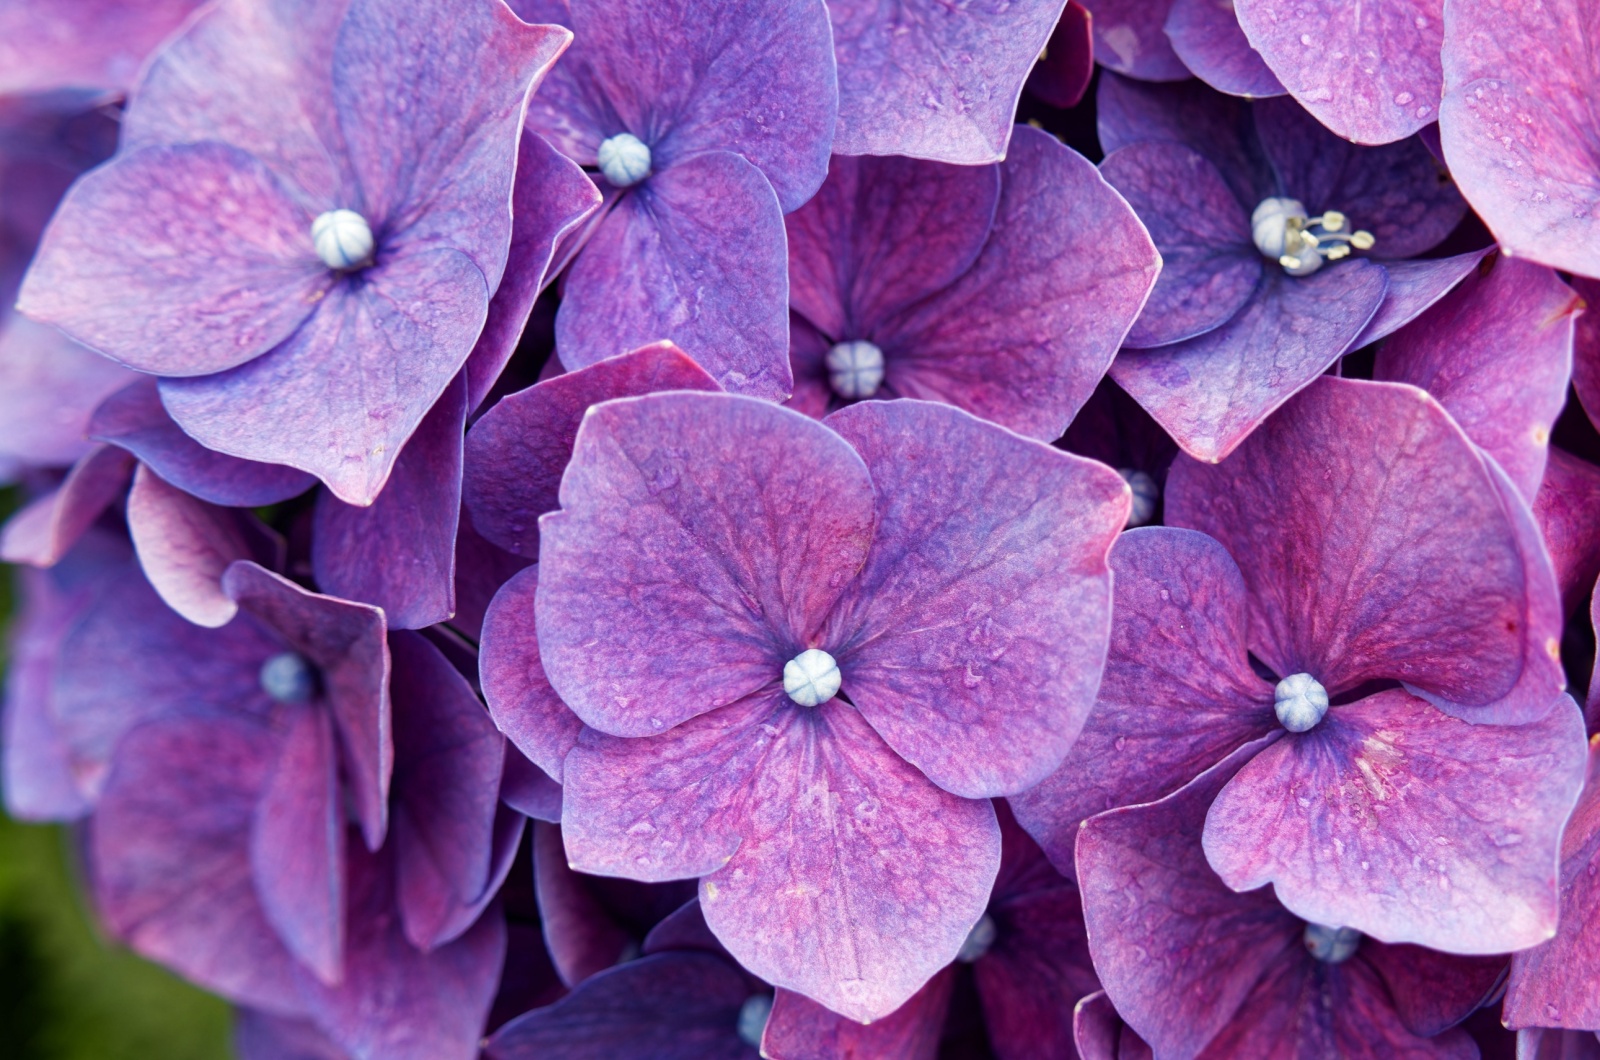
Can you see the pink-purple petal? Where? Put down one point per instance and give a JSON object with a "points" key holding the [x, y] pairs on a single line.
{"points": [[1413, 287], [1206, 35], [99, 44], [47, 528], [185, 544], [1066, 66], [1130, 38], [524, 706], [1567, 508], [800, 1029], [49, 387]]}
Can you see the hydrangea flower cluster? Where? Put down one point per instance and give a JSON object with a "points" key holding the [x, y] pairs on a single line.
{"points": [[815, 528]]}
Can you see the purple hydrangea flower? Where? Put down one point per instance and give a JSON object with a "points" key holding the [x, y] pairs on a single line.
{"points": [[1029, 960], [1255, 210], [312, 212], [1518, 127], [1365, 555], [1004, 290], [741, 607], [706, 122], [935, 80], [1199, 970], [1370, 72]]}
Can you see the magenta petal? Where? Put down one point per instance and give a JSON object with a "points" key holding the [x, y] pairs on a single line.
{"points": [[1211, 391], [1567, 508], [697, 256], [517, 451], [1346, 821], [1178, 693], [677, 578], [1066, 66], [99, 44], [394, 1001], [1518, 129], [1374, 74], [808, 352], [400, 552], [1209, 267], [1455, 351], [1100, 1033], [933, 80], [49, 387], [550, 200], [1546, 1044], [1553, 985], [1206, 35], [1130, 38], [1023, 336], [668, 1006], [481, 568], [185, 544], [1586, 349], [134, 419], [297, 844], [881, 233], [448, 762], [345, 641], [524, 706], [171, 858], [582, 938], [212, 264], [1347, 581], [1005, 644], [800, 1029], [1178, 952], [1413, 287], [1433, 991], [340, 398], [46, 529]]}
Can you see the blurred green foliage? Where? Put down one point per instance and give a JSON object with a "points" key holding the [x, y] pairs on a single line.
{"points": [[65, 992]]}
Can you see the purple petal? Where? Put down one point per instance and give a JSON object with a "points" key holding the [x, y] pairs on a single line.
{"points": [[259, 1036], [171, 859], [669, 1006], [932, 80], [1209, 267], [1211, 391], [1129, 37], [800, 1029], [881, 233], [733, 793], [512, 673], [185, 544], [1003, 645], [134, 419], [1178, 693], [517, 451], [211, 266], [1455, 351], [93, 45], [1433, 991], [1372, 76], [1586, 349], [1552, 985], [551, 198], [1066, 66], [1222, 128], [49, 386], [297, 844], [1023, 336], [1446, 832], [1567, 508], [581, 936], [1206, 35], [46, 529], [1518, 128], [345, 641], [481, 569], [1542, 1044], [1413, 287], [725, 538], [448, 762], [1100, 1033], [808, 353], [394, 1001], [399, 553], [1373, 541], [1178, 952], [696, 256], [340, 398], [529, 790]]}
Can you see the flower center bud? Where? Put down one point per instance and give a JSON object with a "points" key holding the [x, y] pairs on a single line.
{"points": [[753, 1015], [811, 678], [1283, 231], [1300, 701], [624, 160], [1331, 945], [343, 239], [289, 678], [855, 369], [1145, 495], [979, 939]]}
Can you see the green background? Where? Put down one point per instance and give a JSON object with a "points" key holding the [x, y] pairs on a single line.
{"points": [[66, 993]]}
